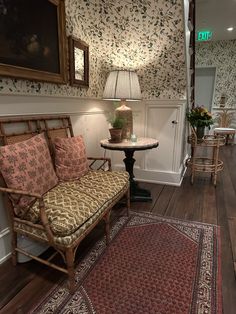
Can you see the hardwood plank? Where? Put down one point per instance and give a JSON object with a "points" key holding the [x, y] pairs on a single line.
{"points": [[33, 292], [232, 232], [228, 279], [186, 201], [163, 200], [16, 279], [209, 210], [155, 190], [227, 186], [228, 155]]}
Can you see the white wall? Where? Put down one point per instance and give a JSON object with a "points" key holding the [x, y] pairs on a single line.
{"points": [[221, 55]]}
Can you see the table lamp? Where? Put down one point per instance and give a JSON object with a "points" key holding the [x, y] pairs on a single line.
{"points": [[123, 85]]}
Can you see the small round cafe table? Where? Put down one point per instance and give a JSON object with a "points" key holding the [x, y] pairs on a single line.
{"points": [[128, 147]]}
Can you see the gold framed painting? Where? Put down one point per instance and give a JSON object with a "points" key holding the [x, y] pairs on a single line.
{"points": [[33, 40]]}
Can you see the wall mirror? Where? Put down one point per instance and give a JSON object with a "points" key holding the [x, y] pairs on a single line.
{"points": [[79, 62]]}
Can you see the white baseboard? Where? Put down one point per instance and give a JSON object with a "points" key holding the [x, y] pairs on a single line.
{"points": [[155, 176], [5, 245], [23, 242]]}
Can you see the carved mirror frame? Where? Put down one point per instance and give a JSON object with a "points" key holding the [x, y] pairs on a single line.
{"points": [[79, 62]]}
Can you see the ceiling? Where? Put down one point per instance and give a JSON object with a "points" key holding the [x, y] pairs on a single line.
{"points": [[216, 16]]}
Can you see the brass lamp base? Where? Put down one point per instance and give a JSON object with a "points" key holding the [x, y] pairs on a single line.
{"points": [[126, 114]]}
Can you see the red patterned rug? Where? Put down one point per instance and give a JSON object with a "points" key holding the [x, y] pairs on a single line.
{"points": [[152, 265]]}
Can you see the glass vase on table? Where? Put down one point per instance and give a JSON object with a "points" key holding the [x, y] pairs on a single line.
{"points": [[200, 131]]}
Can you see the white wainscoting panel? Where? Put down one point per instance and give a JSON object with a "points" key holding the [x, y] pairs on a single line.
{"points": [[164, 164]]}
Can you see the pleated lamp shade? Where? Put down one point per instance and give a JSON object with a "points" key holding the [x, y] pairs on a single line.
{"points": [[123, 85]]}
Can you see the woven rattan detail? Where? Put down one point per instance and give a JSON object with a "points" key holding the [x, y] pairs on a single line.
{"points": [[202, 164], [57, 133], [18, 138], [199, 161]]}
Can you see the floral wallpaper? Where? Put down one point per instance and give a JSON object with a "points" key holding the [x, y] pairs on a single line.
{"points": [[142, 35], [220, 54]]}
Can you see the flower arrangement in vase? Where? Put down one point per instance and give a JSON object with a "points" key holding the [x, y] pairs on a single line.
{"points": [[199, 118]]}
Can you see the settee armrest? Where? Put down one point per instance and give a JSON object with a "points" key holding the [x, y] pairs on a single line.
{"points": [[100, 163], [42, 212], [19, 192]]}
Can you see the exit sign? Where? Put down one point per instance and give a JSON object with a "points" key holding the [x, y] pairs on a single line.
{"points": [[204, 35]]}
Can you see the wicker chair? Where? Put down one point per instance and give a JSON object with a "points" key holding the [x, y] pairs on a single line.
{"points": [[200, 161], [224, 120]]}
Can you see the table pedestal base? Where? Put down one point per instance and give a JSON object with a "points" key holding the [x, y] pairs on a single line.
{"points": [[136, 193], [139, 195]]}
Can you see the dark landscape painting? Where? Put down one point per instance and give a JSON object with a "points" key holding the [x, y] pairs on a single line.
{"points": [[29, 34]]}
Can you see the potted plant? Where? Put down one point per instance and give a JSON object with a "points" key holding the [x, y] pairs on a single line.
{"points": [[117, 124], [199, 117]]}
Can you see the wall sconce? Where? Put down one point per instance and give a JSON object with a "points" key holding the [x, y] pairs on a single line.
{"points": [[123, 85]]}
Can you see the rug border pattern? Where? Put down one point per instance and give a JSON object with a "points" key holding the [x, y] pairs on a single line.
{"points": [[203, 302]]}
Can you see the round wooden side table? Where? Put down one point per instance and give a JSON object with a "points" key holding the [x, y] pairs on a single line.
{"points": [[128, 147]]}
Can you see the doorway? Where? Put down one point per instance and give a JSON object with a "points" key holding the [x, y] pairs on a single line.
{"points": [[205, 86]]}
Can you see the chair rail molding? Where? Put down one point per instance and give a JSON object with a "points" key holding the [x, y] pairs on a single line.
{"points": [[35, 105]]}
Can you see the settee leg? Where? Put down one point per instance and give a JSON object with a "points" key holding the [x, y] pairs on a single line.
{"points": [[107, 226], [14, 245], [70, 269]]}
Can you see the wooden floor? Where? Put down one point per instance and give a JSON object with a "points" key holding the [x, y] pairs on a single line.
{"points": [[25, 284]]}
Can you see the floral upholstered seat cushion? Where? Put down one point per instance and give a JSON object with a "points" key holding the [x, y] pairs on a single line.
{"points": [[27, 166], [71, 204], [70, 158]]}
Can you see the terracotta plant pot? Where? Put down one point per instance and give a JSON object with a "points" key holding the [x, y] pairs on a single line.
{"points": [[115, 135]]}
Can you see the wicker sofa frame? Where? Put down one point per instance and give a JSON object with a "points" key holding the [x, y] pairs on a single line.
{"points": [[13, 130]]}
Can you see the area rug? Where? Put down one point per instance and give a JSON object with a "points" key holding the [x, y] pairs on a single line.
{"points": [[152, 265]]}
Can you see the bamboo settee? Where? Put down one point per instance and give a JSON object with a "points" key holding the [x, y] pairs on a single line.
{"points": [[92, 196]]}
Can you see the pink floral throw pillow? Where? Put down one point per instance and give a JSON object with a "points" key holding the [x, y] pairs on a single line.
{"points": [[27, 166], [70, 158]]}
